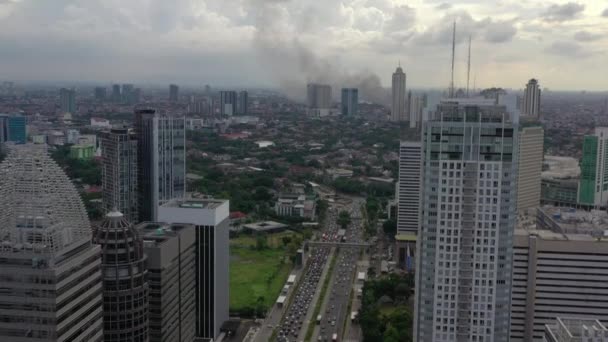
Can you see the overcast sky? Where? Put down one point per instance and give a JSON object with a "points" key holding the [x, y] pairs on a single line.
{"points": [[277, 42]]}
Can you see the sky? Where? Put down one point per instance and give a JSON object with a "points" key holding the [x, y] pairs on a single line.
{"points": [[282, 43]]}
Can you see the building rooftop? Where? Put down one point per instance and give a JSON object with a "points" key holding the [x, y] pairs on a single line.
{"points": [[265, 225], [195, 203], [558, 223], [561, 168], [155, 233], [577, 330]]}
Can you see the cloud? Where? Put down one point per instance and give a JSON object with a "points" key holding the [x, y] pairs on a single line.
{"points": [[443, 6], [586, 36], [568, 49], [499, 32], [565, 12], [605, 13]]}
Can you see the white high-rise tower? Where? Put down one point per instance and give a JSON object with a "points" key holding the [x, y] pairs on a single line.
{"points": [[531, 102], [399, 108]]}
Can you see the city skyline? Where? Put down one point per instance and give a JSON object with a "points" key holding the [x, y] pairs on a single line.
{"points": [[276, 43]]}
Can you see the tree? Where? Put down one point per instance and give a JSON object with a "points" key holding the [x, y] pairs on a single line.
{"points": [[260, 242], [390, 227], [402, 292], [286, 240], [343, 219]]}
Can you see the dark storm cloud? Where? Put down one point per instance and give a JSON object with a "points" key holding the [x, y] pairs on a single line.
{"points": [[565, 12], [585, 36]]}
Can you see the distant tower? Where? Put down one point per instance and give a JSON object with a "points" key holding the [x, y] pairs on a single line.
{"points": [[318, 99], [453, 57], [228, 102], [399, 110], [531, 102], [173, 93], [243, 104], [469, 67], [67, 98], [116, 93], [51, 272], [125, 287], [350, 101]]}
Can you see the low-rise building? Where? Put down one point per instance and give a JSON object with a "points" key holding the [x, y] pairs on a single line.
{"points": [[295, 205], [559, 181], [576, 330], [339, 173], [82, 151]]}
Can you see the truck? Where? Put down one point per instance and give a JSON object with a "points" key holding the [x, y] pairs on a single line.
{"points": [[319, 319]]}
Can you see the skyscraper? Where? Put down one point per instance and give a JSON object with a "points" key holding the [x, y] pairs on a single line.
{"points": [[67, 99], [125, 286], [116, 97], [210, 218], [50, 270], [128, 94], [243, 105], [100, 93], [228, 101], [410, 187], [530, 167], [318, 99], [531, 101], [171, 252], [119, 173], [173, 93], [464, 261], [593, 188], [13, 128], [161, 160], [350, 101], [399, 108]]}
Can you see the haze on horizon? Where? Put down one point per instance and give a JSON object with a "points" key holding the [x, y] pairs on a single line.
{"points": [[281, 43]]}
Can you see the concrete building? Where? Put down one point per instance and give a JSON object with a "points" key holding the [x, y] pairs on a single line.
{"points": [[243, 104], [228, 102], [119, 173], [171, 252], [295, 205], [173, 93], [116, 98], [560, 269], [100, 93], [464, 257], [399, 107], [408, 193], [319, 99], [559, 181], [530, 167], [416, 110], [13, 128], [49, 270], [161, 160], [125, 285], [531, 102], [350, 101], [67, 100], [211, 219], [593, 188], [576, 330]]}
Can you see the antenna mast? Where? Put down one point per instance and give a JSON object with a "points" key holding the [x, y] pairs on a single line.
{"points": [[469, 67], [453, 54]]}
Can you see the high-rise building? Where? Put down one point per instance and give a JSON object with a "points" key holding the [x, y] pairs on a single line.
{"points": [[228, 101], [416, 109], [350, 101], [575, 329], [318, 99], [171, 253], [127, 94], [210, 218], [593, 188], [67, 99], [49, 269], [464, 257], [13, 128], [116, 97], [161, 160], [531, 101], [125, 286], [173, 93], [243, 105], [100, 93], [399, 107], [531, 141], [560, 269], [119, 173]]}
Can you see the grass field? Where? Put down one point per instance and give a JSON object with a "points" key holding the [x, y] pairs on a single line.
{"points": [[256, 273], [274, 240]]}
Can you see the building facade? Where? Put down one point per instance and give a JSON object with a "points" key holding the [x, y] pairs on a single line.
{"points": [[558, 271], [119, 173], [399, 104], [13, 128], [243, 105], [100, 93], [228, 102], [576, 330], [49, 269], [295, 205], [464, 260], [171, 253], [350, 101], [593, 188], [530, 167], [318, 99], [67, 100], [116, 93], [531, 102], [173, 93], [409, 190], [125, 286], [211, 219], [161, 160]]}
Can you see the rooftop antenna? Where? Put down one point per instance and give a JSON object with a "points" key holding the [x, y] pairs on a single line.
{"points": [[469, 67], [453, 55]]}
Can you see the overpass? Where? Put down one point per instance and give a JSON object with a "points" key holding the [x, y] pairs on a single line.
{"points": [[338, 244]]}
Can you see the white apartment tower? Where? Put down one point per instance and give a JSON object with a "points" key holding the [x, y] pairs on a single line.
{"points": [[399, 107], [531, 101], [531, 141], [464, 258], [409, 187]]}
